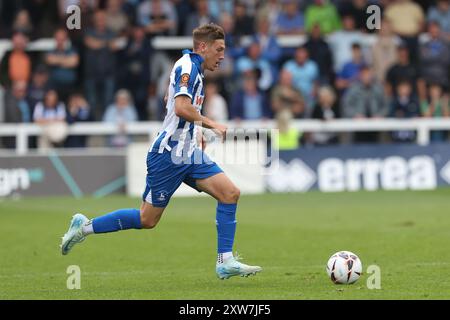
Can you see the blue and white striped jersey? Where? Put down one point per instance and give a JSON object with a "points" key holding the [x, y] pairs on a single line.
{"points": [[186, 78]]}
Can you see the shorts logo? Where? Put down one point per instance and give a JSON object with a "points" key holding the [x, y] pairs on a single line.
{"points": [[162, 196], [184, 79]]}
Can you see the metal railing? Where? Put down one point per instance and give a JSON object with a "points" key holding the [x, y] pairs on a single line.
{"points": [[422, 126]]}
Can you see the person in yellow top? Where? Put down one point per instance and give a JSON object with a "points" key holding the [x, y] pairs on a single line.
{"points": [[285, 137]]}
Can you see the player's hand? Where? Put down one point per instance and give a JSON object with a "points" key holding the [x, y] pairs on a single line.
{"points": [[221, 130]]}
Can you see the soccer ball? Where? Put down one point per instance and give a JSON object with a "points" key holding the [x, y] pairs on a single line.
{"points": [[344, 267]]}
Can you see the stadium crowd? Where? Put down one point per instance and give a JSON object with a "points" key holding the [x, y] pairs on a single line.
{"points": [[109, 71]]}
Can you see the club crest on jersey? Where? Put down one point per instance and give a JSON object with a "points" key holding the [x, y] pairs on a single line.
{"points": [[184, 79]]}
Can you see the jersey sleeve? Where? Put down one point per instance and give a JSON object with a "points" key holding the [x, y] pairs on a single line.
{"points": [[184, 80]]}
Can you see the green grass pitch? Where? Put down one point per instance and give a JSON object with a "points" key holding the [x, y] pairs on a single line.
{"points": [[407, 234]]}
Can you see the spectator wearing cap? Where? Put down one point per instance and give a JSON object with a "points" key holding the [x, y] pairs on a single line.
{"points": [[62, 61], [325, 14]]}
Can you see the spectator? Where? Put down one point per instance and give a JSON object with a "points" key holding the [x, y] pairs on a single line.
{"points": [[100, 64], [269, 9], [17, 109], [120, 113], [16, 64], [405, 105], [436, 106], [358, 10], [39, 85], [402, 70], [78, 111], [290, 20], [350, 71], [285, 137], [249, 103], [384, 51], [268, 43], [217, 8], [285, 96], [50, 114], [135, 68], [254, 61], [63, 62], [440, 13], [434, 59], [305, 75], [199, 17], [243, 22], [159, 17], [407, 20], [325, 109], [365, 99], [321, 54], [341, 42], [22, 23], [116, 19], [215, 106], [323, 13]]}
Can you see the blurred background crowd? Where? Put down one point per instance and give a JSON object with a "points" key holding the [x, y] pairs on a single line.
{"points": [[110, 71]]}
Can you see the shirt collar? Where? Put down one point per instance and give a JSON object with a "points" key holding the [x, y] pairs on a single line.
{"points": [[195, 57]]}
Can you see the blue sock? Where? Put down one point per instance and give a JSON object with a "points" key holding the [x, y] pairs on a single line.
{"points": [[122, 219], [226, 226]]}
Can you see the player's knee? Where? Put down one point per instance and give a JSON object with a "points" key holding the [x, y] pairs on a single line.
{"points": [[148, 223], [232, 195]]}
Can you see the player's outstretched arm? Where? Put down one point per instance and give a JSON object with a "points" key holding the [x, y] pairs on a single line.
{"points": [[184, 109]]}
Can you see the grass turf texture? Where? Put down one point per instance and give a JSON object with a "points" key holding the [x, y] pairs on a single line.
{"points": [[290, 235]]}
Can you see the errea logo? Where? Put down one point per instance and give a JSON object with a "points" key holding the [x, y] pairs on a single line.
{"points": [[12, 180]]}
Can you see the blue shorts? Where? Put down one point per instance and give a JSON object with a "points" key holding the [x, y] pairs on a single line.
{"points": [[165, 174]]}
